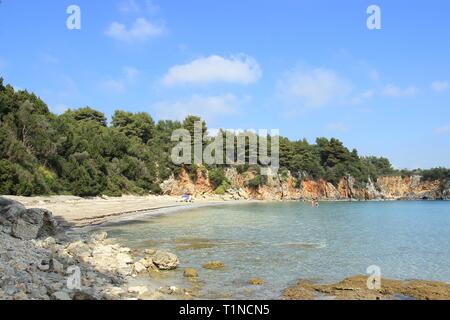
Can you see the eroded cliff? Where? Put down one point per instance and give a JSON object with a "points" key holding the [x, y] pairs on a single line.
{"points": [[286, 187]]}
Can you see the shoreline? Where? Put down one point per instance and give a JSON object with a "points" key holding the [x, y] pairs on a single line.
{"points": [[77, 213], [82, 224]]}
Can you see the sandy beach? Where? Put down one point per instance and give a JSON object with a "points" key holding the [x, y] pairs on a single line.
{"points": [[76, 212]]}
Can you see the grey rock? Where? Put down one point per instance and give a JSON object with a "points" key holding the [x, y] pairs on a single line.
{"points": [[26, 224], [61, 295]]}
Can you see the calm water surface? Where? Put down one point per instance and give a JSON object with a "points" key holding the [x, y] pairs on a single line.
{"points": [[283, 242]]}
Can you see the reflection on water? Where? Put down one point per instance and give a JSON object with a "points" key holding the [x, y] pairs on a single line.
{"points": [[282, 242]]}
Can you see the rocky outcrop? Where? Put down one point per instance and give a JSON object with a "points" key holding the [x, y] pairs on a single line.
{"points": [[283, 186], [26, 224], [411, 188], [356, 288]]}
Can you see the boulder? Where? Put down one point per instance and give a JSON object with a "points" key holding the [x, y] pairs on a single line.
{"points": [[78, 249], [139, 267], [164, 260], [26, 224], [56, 266]]}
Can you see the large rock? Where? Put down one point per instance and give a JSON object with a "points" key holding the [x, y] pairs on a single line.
{"points": [[26, 224], [164, 260]]}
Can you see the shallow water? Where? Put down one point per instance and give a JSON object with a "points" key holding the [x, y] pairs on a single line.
{"points": [[283, 242]]}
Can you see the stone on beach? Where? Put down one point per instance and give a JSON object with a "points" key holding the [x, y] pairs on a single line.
{"points": [[26, 224], [139, 267], [138, 290], [163, 260]]}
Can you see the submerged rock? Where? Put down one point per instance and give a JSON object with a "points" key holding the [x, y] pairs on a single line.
{"points": [[214, 265], [356, 288], [256, 282], [190, 273]]}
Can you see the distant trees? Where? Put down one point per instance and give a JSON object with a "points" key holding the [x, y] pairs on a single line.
{"points": [[78, 153]]}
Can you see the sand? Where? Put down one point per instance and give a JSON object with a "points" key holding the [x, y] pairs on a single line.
{"points": [[76, 212]]}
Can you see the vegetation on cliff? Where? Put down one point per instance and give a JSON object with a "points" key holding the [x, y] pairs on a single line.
{"points": [[79, 153]]}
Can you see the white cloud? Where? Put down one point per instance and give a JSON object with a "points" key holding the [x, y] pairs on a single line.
{"points": [[337, 127], [314, 88], [129, 75], [362, 97], [443, 130], [238, 70], [132, 6], [392, 90], [141, 31], [208, 107], [440, 86]]}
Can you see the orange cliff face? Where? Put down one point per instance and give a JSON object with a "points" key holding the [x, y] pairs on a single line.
{"points": [[280, 187]]}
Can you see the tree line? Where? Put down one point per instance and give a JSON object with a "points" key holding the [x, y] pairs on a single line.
{"points": [[80, 153]]}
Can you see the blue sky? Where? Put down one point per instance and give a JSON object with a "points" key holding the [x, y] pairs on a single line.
{"points": [[308, 68]]}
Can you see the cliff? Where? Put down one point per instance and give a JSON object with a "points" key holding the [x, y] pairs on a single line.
{"points": [[286, 187]]}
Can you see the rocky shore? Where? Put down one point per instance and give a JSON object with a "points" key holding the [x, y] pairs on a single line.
{"points": [[39, 261], [355, 288]]}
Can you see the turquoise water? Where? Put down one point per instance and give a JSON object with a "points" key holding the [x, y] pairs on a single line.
{"points": [[283, 242]]}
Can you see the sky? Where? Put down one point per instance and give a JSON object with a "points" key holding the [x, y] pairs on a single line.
{"points": [[310, 68]]}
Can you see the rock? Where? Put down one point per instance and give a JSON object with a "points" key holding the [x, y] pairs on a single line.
{"points": [[150, 252], [83, 296], [165, 260], [44, 265], [20, 296], [139, 267], [61, 295], [114, 292], [214, 265], [26, 224], [190, 273], [124, 259], [148, 296], [138, 290], [99, 237], [56, 266], [256, 282], [148, 264], [48, 243], [10, 211], [78, 249]]}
